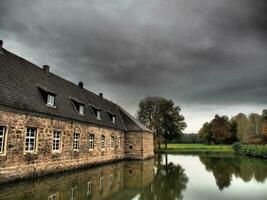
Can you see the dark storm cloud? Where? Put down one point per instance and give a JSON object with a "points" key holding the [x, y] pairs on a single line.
{"points": [[205, 52]]}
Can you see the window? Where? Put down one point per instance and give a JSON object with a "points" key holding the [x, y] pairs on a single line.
{"points": [[89, 188], [119, 177], [52, 197], [2, 139], [102, 142], [112, 142], [119, 142], [113, 119], [30, 145], [74, 193], [48, 96], [98, 114], [91, 141], [56, 141], [76, 138], [81, 109], [78, 105], [50, 100], [111, 181], [101, 180]]}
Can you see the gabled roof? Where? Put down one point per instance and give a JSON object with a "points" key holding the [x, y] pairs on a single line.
{"points": [[20, 84]]}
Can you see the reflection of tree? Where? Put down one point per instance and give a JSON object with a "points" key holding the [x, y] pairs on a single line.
{"points": [[223, 168], [169, 183]]}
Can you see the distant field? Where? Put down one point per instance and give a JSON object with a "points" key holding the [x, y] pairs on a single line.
{"points": [[196, 148]]}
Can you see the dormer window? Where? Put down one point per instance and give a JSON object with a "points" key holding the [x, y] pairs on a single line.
{"points": [[50, 100], [97, 112], [49, 96], [112, 117], [79, 106]]}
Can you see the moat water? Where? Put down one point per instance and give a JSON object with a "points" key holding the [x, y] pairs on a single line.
{"points": [[167, 177]]}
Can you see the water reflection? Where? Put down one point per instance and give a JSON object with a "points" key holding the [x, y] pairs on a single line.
{"points": [[224, 168], [169, 181], [167, 177], [103, 182]]}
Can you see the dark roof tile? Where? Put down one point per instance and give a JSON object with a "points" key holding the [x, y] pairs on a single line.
{"points": [[19, 82]]}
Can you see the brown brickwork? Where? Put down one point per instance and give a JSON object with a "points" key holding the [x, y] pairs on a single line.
{"points": [[16, 163]]}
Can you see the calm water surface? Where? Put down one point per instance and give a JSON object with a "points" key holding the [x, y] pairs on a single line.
{"points": [[188, 177]]}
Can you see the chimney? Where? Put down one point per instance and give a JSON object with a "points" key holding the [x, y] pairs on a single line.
{"points": [[46, 68], [80, 84], [101, 95]]}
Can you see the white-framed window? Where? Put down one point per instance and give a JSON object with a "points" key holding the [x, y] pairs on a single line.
{"points": [[101, 180], [74, 193], [30, 145], [98, 114], [113, 119], [112, 142], [81, 109], [89, 188], [50, 100], [56, 141], [2, 138], [102, 142], [52, 197], [91, 141], [76, 141]]}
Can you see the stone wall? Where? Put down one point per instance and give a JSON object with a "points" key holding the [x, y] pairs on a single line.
{"points": [[15, 163], [139, 145]]}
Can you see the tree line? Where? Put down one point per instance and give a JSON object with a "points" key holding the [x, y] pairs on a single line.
{"points": [[242, 128]]}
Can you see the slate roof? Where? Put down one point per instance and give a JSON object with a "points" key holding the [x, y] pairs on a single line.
{"points": [[20, 84]]}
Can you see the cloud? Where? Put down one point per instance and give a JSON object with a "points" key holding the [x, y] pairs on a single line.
{"points": [[199, 53]]}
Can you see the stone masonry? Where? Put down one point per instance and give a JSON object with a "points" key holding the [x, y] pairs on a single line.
{"points": [[16, 164]]}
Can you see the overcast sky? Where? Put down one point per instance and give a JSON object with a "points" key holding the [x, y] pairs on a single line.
{"points": [[209, 56]]}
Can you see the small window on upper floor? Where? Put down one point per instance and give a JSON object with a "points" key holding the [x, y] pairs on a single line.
{"points": [[81, 109], [79, 106], [112, 117], [50, 100], [49, 96], [97, 112]]}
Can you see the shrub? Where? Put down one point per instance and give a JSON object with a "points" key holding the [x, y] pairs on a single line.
{"points": [[237, 146]]}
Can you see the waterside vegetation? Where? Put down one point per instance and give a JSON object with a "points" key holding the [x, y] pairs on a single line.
{"points": [[196, 148]]}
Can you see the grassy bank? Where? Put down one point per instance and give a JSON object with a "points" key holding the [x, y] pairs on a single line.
{"points": [[253, 150], [195, 148]]}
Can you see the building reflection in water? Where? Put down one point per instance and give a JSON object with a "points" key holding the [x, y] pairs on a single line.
{"points": [[126, 178]]}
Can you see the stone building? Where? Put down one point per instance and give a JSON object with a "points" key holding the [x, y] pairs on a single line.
{"points": [[49, 124]]}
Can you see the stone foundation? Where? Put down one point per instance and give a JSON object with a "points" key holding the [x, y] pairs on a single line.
{"points": [[15, 163]]}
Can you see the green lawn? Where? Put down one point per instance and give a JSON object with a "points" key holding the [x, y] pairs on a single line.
{"points": [[196, 148]]}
